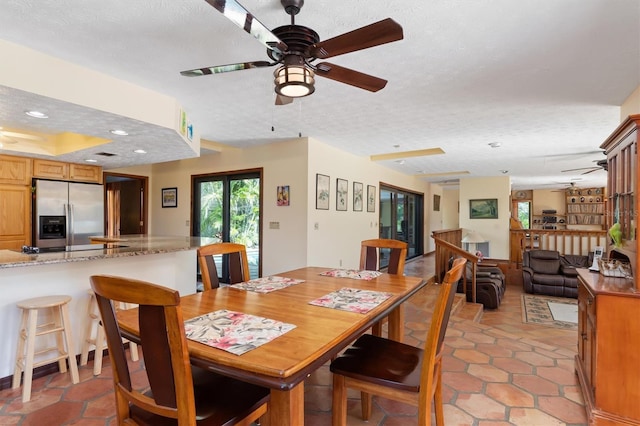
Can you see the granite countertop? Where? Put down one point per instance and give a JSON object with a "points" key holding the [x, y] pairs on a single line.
{"points": [[106, 248]]}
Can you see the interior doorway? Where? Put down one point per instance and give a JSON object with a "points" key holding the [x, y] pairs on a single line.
{"points": [[125, 204]]}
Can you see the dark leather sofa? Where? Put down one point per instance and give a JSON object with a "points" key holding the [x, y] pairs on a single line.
{"points": [[549, 273], [490, 285]]}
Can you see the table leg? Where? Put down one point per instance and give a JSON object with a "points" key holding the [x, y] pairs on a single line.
{"points": [[396, 324], [286, 408]]}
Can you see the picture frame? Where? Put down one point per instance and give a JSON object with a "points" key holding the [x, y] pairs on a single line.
{"points": [[322, 192], [169, 197], [371, 198], [436, 202], [486, 208], [283, 195], [358, 196], [342, 192]]}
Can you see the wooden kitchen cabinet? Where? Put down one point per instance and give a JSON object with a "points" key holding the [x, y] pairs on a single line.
{"points": [[15, 216], [58, 170], [608, 360], [15, 170], [85, 173]]}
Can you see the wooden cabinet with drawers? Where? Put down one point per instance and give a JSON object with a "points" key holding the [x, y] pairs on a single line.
{"points": [[608, 360], [49, 169], [15, 201], [16, 174]]}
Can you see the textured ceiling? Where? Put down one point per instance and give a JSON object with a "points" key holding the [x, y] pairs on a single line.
{"points": [[544, 78]]}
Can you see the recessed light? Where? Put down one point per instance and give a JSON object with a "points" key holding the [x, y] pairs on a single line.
{"points": [[36, 114], [140, 151], [495, 144], [400, 161], [91, 160], [504, 172], [119, 132]]}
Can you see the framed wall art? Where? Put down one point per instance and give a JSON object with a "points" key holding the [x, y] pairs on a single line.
{"points": [[436, 203], [283, 195], [371, 198], [169, 197], [483, 209], [342, 192], [358, 195], [322, 192]]}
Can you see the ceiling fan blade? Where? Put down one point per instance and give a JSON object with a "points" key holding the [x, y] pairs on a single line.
{"points": [[593, 169], [283, 100], [240, 16], [351, 77], [381, 32], [575, 170], [225, 68]]}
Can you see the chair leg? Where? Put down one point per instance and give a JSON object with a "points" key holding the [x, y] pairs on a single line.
{"points": [[365, 401], [133, 351], [437, 397], [28, 360], [376, 329], [17, 374], [339, 408], [100, 346]]}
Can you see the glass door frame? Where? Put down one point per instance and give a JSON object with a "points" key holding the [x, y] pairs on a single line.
{"points": [[226, 178], [411, 225]]}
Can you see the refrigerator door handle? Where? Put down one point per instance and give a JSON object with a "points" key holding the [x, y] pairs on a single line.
{"points": [[70, 230]]}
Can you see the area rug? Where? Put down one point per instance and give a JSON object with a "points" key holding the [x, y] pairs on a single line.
{"points": [[558, 312]]}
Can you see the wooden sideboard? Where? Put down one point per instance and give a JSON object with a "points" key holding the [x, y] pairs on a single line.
{"points": [[608, 360]]}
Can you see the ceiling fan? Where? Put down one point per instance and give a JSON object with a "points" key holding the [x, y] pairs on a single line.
{"points": [[600, 165], [295, 48]]}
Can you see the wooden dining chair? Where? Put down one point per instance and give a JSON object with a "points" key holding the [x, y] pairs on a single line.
{"points": [[178, 392], [379, 366], [236, 257], [370, 253]]}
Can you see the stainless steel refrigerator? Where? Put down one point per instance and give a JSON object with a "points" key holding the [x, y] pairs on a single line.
{"points": [[66, 213]]}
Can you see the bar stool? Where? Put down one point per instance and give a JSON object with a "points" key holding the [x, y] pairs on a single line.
{"points": [[97, 339], [30, 329]]}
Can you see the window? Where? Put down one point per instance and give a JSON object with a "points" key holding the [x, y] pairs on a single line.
{"points": [[227, 207], [401, 214]]}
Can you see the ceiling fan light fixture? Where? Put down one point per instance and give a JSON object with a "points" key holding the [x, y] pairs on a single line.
{"points": [[294, 81]]}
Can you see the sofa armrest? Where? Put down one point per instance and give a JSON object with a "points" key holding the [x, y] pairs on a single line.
{"points": [[569, 271]]}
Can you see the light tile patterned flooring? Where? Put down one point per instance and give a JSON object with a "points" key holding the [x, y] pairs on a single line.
{"points": [[496, 372]]}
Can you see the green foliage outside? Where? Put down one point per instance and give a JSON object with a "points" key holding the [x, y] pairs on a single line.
{"points": [[524, 214], [244, 211]]}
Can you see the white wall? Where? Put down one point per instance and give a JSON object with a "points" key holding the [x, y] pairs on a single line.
{"points": [[336, 242], [631, 105], [449, 206], [436, 218], [496, 231], [295, 163]]}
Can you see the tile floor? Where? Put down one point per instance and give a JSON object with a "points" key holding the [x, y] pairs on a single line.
{"points": [[497, 371]]}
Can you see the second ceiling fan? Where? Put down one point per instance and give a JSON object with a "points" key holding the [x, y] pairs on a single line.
{"points": [[295, 48]]}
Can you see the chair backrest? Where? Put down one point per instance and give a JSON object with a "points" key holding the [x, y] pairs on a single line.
{"points": [[370, 255], [235, 256], [542, 261], [161, 334], [438, 328]]}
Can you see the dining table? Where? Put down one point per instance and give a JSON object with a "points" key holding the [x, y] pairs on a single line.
{"points": [[320, 332]]}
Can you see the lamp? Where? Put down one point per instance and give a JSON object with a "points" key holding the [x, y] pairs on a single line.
{"points": [[473, 237], [294, 79]]}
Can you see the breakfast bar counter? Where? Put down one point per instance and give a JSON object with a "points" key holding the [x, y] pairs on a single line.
{"points": [[166, 260]]}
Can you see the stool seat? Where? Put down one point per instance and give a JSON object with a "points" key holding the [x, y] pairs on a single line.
{"points": [[43, 302], [59, 325]]}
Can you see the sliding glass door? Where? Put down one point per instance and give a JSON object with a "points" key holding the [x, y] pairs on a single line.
{"points": [[226, 207], [401, 213]]}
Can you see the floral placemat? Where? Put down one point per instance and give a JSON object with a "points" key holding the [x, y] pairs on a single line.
{"points": [[352, 273], [352, 300], [234, 332], [267, 284]]}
